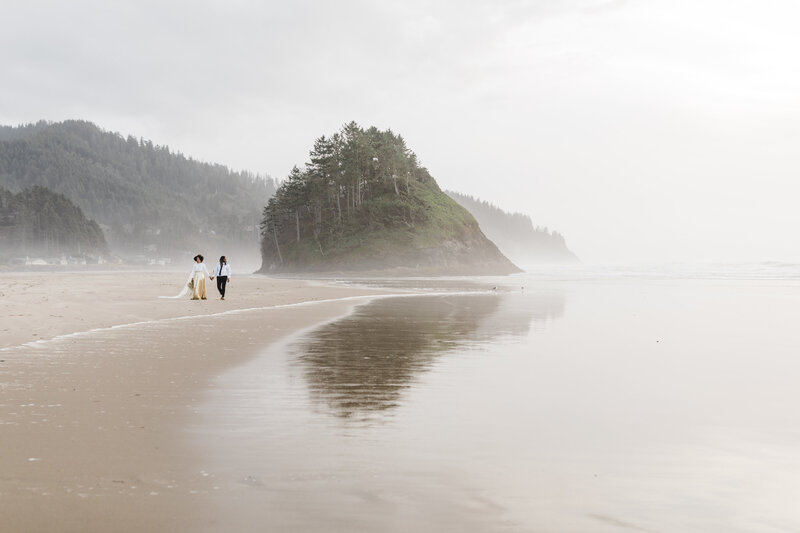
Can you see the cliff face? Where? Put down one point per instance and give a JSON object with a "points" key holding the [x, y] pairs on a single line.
{"points": [[363, 204]]}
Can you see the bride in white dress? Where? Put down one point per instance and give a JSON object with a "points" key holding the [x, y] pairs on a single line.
{"points": [[199, 275], [196, 282]]}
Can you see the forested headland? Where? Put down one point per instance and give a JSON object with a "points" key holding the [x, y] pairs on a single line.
{"points": [[515, 234], [42, 222], [146, 198], [364, 202]]}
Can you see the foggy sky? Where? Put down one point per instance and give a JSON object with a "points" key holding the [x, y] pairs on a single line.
{"points": [[642, 130]]}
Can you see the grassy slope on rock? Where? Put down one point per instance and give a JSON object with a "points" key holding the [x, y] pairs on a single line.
{"points": [[382, 231]]}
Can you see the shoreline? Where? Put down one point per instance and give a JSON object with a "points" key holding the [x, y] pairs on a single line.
{"points": [[94, 418], [44, 306]]}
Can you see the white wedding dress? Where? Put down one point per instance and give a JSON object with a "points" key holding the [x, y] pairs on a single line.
{"points": [[196, 283]]}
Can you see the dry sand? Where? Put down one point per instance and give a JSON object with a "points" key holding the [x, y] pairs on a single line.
{"points": [[91, 415]]}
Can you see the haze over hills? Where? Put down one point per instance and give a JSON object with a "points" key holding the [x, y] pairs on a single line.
{"points": [[39, 221], [515, 234], [147, 198], [363, 202]]}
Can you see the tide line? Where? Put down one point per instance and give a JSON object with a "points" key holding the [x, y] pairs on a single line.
{"points": [[365, 298]]}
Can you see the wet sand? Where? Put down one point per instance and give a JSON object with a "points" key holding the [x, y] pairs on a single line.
{"points": [[566, 407], [315, 434], [92, 416], [596, 407]]}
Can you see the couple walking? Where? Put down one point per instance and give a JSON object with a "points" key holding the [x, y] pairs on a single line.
{"points": [[197, 281]]}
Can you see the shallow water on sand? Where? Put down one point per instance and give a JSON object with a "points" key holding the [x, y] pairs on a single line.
{"points": [[586, 406]]}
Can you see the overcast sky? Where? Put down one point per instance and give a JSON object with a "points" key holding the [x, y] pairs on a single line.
{"points": [[642, 130]]}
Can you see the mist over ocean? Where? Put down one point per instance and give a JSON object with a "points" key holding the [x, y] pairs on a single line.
{"points": [[569, 400]]}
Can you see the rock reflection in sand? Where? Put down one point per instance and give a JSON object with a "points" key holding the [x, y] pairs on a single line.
{"points": [[362, 364]]}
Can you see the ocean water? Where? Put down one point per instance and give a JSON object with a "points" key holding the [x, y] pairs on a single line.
{"points": [[660, 400]]}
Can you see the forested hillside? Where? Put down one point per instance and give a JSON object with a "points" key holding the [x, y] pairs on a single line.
{"points": [[145, 197], [515, 234], [363, 202], [40, 221]]}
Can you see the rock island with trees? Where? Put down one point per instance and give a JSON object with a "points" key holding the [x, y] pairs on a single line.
{"points": [[362, 203]]}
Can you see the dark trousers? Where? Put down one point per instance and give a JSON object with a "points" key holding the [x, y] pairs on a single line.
{"points": [[221, 282]]}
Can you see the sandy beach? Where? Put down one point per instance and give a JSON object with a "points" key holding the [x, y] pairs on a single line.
{"points": [[605, 405], [97, 377], [44, 305]]}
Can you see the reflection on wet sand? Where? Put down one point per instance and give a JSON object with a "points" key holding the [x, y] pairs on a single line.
{"points": [[363, 363], [648, 406]]}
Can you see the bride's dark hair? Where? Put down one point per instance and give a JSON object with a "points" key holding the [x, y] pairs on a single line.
{"points": [[198, 256]]}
